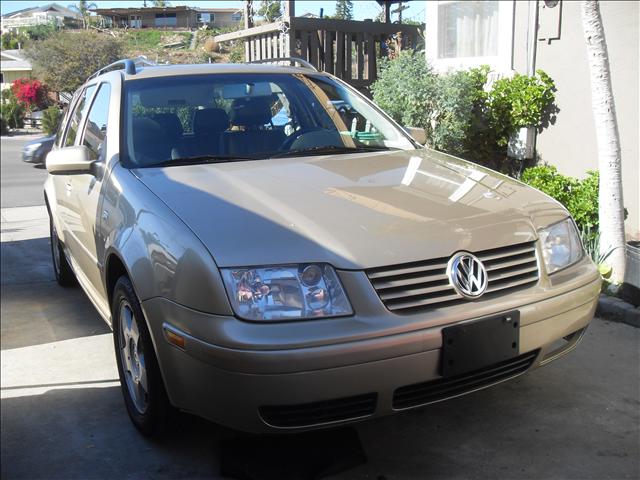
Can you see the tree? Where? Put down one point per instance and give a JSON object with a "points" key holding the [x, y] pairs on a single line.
{"points": [[83, 7], [271, 10], [611, 207], [344, 10], [64, 61], [160, 3]]}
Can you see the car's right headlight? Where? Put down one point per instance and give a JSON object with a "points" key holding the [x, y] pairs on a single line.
{"points": [[286, 292], [32, 147], [561, 245]]}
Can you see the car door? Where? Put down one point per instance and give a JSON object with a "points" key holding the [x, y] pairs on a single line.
{"points": [[62, 184], [86, 189]]}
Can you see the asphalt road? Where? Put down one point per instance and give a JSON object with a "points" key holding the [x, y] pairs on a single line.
{"points": [[21, 183], [63, 415]]}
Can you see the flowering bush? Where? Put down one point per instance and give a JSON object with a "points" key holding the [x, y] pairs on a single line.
{"points": [[31, 93]]}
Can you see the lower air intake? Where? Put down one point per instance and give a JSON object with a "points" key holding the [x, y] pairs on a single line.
{"points": [[436, 390]]}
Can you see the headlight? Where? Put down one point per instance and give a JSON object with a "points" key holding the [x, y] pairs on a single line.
{"points": [[286, 292], [32, 147], [561, 245]]}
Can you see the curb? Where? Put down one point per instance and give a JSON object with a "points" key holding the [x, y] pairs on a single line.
{"points": [[617, 310]]}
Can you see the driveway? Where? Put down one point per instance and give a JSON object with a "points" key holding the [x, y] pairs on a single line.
{"points": [[63, 414]]}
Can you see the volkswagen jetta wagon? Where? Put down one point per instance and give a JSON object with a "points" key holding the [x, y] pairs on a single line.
{"points": [[274, 253]]}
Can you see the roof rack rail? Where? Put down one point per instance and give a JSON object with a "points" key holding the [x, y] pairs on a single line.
{"points": [[128, 65], [300, 61]]}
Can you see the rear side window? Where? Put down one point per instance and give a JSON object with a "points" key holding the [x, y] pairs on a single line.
{"points": [[95, 130], [76, 116]]}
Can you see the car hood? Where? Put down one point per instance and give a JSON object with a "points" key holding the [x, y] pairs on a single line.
{"points": [[353, 211]]}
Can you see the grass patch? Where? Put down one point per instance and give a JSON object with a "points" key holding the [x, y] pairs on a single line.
{"points": [[143, 39]]}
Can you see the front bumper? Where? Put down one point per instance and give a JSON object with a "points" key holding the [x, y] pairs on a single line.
{"points": [[34, 156], [245, 385]]}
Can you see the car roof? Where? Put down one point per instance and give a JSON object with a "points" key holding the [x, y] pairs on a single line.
{"points": [[206, 68]]}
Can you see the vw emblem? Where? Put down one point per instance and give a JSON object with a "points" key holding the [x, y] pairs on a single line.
{"points": [[467, 275]]}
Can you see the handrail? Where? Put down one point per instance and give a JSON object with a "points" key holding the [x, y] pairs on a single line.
{"points": [[302, 62]]}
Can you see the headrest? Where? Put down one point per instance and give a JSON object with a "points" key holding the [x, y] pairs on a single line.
{"points": [[149, 141], [210, 120], [170, 122], [146, 129], [251, 111]]}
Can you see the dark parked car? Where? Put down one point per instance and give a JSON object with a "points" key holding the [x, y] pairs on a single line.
{"points": [[36, 150]]}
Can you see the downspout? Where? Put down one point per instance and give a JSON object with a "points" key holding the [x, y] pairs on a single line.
{"points": [[531, 71]]}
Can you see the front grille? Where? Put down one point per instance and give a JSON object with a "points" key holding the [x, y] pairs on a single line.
{"points": [[436, 390], [317, 413], [424, 285]]}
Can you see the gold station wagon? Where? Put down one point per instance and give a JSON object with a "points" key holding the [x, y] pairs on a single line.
{"points": [[274, 253]]}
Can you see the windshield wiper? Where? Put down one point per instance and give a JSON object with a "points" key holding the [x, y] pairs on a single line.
{"points": [[200, 159], [327, 149]]}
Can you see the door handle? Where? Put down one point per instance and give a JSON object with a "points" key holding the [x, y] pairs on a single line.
{"points": [[68, 185]]}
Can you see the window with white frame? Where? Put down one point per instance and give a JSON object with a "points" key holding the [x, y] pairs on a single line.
{"points": [[466, 34], [467, 29], [236, 17]]}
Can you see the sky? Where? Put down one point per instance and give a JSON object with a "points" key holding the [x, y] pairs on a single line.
{"points": [[361, 8]]}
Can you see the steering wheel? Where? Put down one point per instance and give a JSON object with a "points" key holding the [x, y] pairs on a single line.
{"points": [[288, 142]]}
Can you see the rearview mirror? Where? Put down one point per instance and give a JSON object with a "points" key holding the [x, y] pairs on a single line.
{"points": [[69, 161], [418, 134]]}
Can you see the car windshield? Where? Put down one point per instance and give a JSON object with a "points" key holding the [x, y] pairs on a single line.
{"points": [[231, 117]]}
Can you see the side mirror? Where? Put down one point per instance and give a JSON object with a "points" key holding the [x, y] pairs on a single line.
{"points": [[418, 134], [69, 161]]}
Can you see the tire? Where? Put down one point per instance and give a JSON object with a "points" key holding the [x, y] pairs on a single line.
{"points": [[61, 268], [140, 379]]}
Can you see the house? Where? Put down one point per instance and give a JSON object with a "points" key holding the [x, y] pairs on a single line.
{"points": [[50, 13], [13, 65], [169, 17], [523, 36]]}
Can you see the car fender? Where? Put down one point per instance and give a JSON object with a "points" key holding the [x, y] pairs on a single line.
{"points": [[162, 256]]}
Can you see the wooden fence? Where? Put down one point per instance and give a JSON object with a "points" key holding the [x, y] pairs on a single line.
{"points": [[347, 49]]}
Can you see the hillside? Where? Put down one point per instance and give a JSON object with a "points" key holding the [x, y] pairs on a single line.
{"points": [[176, 47]]}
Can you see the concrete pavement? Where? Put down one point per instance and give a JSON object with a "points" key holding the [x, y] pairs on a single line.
{"points": [[63, 415]]}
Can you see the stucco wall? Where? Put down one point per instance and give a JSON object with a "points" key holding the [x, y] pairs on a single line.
{"points": [[570, 144]]}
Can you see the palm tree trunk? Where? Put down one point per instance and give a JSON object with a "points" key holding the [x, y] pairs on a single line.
{"points": [[611, 206]]}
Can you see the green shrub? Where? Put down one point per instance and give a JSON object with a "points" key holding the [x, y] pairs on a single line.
{"points": [[51, 118], [65, 60], [236, 55], [12, 111], [580, 197], [459, 116], [407, 90]]}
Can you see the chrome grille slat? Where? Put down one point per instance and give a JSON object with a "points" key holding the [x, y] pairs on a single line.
{"points": [[405, 271], [516, 283], [384, 285], [491, 266], [413, 291], [512, 273], [491, 256], [422, 302], [424, 285]]}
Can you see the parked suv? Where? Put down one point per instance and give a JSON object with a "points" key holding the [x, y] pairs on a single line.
{"points": [[274, 253]]}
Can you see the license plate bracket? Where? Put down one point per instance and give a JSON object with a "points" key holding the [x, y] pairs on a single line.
{"points": [[473, 345]]}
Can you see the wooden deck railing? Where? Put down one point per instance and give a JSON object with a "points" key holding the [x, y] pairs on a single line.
{"points": [[347, 49]]}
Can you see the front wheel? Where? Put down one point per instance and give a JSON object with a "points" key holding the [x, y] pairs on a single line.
{"points": [[142, 387]]}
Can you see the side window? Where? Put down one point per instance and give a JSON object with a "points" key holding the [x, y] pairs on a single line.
{"points": [[63, 123], [77, 115], [95, 130]]}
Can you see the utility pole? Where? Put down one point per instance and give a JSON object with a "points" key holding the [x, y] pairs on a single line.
{"points": [[399, 10]]}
